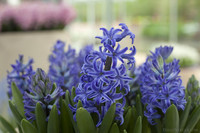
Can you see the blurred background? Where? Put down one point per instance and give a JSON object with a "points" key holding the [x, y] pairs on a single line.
{"points": [[31, 28]]}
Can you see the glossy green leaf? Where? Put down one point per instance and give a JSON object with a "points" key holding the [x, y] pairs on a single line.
{"points": [[19, 129], [126, 120], [124, 131], [53, 122], [40, 119], [27, 127], [145, 126], [139, 106], [84, 121], [66, 124], [171, 120], [184, 115], [67, 101], [53, 87], [18, 99], [192, 121], [79, 104], [108, 119], [114, 129], [73, 94], [15, 112], [133, 120], [197, 127], [7, 125], [138, 125], [158, 126]]}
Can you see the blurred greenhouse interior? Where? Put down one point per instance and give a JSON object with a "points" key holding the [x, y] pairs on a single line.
{"points": [[31, 28]]}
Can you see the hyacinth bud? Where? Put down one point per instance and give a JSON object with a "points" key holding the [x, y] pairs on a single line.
{"points": [[193, 90], [42, 91]]}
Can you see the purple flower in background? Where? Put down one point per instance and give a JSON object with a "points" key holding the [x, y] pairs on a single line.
{"points": [[65, 67], [104, 80], [160, 84], [36, 16], [42, 91], [20, 74]]}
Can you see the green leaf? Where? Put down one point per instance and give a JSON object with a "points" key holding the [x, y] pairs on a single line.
{"points": [[67, 97], [84, 121], [145, 126], [27, 127], [126, 120], [7, 125], [66, 124], [124, 131], [138, 125], [192, 121], [53, 123], [79, 104], [53, 87], [108, 119], [114, 129], [40, 119], [171, 120], [139, 106], [19, 128], [15, 112], [158, 126], [73, 94], [18, 99], [184, 115], [133, 120]]}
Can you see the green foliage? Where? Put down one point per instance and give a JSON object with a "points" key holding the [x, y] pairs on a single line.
{"points": [[171, 120], [18, 99], [27, 127], [160, 30], [84, 121], [108, 119], [7, 126], [40, 119], [65, 119], [53, 122], [114, 128], [184, 115]]}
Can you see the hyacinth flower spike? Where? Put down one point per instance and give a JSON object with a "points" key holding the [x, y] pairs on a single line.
{"points": [[65, 67], [42, 91], [104, 80], [20, 74], [160, 84]]}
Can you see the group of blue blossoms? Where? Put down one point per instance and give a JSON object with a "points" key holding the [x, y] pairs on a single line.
{"points": [[101, 77]]}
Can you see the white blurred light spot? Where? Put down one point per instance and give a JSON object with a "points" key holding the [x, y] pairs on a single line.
{"points": [[13, 2]]}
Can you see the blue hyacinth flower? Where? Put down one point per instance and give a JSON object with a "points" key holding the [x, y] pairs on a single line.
{"points": [[160, 84], [104, 79], [20, 74]]}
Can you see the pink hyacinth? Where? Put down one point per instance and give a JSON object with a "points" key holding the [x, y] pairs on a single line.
{"points": [[37, 15]]}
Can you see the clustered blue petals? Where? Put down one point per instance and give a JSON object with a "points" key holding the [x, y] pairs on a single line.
{"points": [[42, 91], [20, 74], [104, 80], [160, 84], [65, 67]]}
